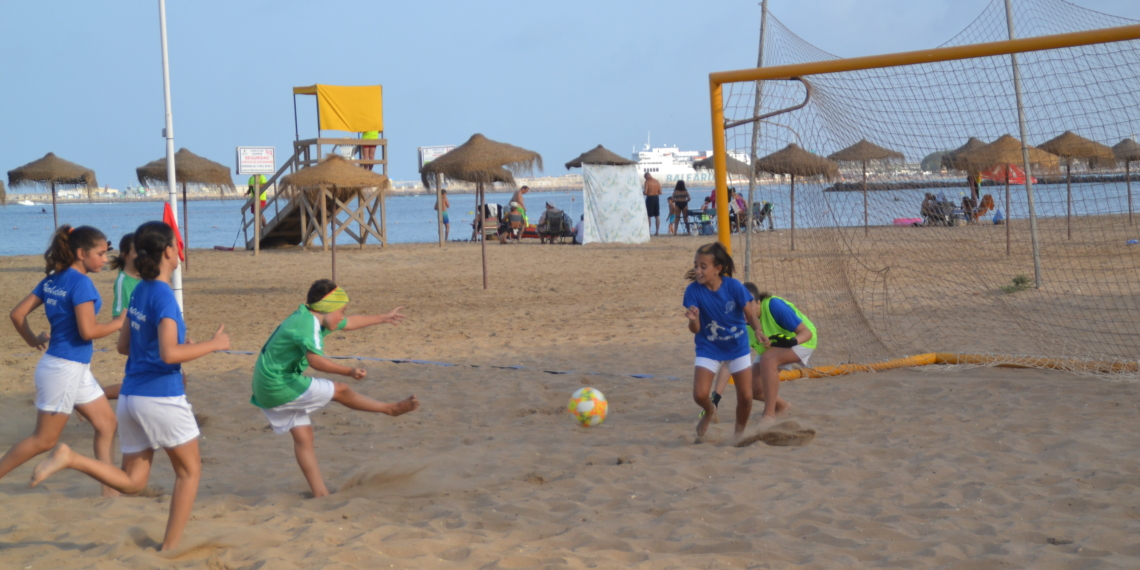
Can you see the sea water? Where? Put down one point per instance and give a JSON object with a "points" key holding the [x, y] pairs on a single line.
{"points": [[24, 230]]}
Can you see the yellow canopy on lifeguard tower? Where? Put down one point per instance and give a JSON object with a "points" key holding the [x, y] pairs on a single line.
{"points": [[355, 109]]}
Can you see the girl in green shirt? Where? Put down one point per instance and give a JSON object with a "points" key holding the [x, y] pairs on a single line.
{"points": [[124, 285]]}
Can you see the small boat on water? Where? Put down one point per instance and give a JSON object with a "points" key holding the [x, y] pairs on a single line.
{"points": [[26, 203]]}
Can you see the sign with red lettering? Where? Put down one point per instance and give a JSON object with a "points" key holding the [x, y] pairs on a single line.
{"points": [[256, 160]]}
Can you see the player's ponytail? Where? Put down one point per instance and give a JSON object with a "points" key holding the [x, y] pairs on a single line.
{"points": [[151, 241], [65, 244], [119, 262]]}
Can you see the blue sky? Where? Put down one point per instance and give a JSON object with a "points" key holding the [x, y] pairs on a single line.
{"points": [[83, 79]]}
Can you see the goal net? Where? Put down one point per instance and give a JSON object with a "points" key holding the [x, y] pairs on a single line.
{"points": [[919, 273]]}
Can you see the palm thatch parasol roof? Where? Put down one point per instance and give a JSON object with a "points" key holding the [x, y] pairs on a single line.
{"points": [[341, 176], [865, 151], [599, 155], [734, 166], [481, 159], [52, 169], [1126, 150], [1071, 145], [1006, 150], [950, 159], [797, 162], [189, 168]]}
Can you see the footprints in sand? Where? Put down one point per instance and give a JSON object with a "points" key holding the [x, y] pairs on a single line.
{"points": [[783, 434]]}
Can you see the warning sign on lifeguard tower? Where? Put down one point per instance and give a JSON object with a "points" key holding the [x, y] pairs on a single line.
{"points": [[256, 160]]}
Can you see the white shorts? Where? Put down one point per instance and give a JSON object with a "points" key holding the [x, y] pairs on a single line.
{"points": [[801, 351], [63, 384], [734, 366], [147, 422], [296, 413]]}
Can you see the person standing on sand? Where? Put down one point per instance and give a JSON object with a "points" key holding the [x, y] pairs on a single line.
{"points": [[287, 397], [255, 181], [63, 376], [517, 197], [681, 200], [716, 307], [153, 410], [444, 204], [652, 191]]}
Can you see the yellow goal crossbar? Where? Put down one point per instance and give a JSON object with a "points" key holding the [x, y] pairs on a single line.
{"points": [[717, 79]]}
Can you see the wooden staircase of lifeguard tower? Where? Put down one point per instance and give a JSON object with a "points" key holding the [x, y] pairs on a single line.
{"points": [[299, 218]]}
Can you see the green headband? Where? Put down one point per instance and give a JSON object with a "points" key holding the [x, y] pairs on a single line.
{"points": [[336, 299]]}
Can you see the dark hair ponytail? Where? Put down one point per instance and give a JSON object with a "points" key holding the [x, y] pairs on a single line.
{"points": [[65, 244], [151, 241], [319, 290], [119, 262]]}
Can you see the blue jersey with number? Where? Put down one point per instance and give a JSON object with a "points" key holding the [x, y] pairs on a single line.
{"points": [[146, 374]]}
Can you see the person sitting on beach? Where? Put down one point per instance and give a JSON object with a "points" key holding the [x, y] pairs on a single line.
{"points": [[580, 231], [512, 225], [969, 207], [716, 307], [929, 210], [63, 377], [287, 397], [153, 410]]}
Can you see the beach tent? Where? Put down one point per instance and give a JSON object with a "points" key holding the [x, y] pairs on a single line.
{"points": [[795, 161], [484, 162], [1069, 146], [1127, 151], [614, 204], [332, 184], [864, 152], [189, 168], [53, 170]]}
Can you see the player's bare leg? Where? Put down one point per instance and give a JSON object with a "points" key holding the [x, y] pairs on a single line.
{"points": [[306, 454], [350, 398]]}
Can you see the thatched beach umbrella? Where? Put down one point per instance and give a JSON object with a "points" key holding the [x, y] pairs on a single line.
{"points": [[53, 170], [864, 152], [599, 155], [1127, 151], [795, 161], [732, 165], [1070, 145], [951, 161], [1005, 152], [482, 161], [189, 168], [338, 176]]}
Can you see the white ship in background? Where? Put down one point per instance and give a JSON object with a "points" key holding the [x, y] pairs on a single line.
{"points": [[670, 164]]}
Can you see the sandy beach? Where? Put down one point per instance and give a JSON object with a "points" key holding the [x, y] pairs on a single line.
{"points": [[950, 467]]}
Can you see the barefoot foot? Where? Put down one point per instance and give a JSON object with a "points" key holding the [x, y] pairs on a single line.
{"points": [[704, 423], [59, 459], [406, 405], [782, 406]]}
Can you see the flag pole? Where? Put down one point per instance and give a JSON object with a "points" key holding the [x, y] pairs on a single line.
{"points": [[168, 133]]}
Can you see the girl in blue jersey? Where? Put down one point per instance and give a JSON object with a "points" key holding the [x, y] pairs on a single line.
{"points": [[63, 375], [153, 410], [715, 306]]}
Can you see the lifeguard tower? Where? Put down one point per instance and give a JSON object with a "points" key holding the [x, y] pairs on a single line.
{"points": [[293, 217]]}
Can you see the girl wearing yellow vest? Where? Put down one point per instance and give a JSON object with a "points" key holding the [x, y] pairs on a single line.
{"points": [[787, 338]]}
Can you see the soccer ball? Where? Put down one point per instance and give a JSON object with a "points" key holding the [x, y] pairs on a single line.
{"points": [[588, 406]]}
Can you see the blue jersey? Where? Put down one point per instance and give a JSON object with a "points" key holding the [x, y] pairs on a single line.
{"points": [[146, 374], [61, 292], [723, 335]]}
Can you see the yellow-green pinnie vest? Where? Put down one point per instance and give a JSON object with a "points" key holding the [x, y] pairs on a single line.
{"points": [[769, 326]]}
